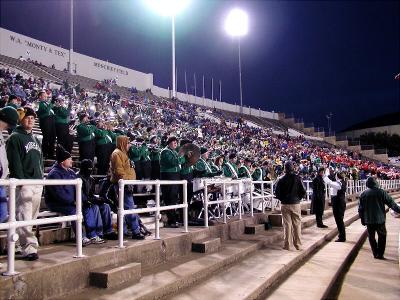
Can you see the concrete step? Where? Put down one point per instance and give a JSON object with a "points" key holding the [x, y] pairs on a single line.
{"points": [[251, 277], [208, 246], [254, 229], [168, 279], [334, 257], [110, 277], [369, 278]]}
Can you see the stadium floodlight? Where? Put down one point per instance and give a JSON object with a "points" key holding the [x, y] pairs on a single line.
{"points": [[170, 8], [237, 25]]}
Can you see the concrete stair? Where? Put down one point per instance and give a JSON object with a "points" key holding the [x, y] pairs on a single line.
{"points": [[208, 246], [109, 277], [254, 229], [322, 269]]}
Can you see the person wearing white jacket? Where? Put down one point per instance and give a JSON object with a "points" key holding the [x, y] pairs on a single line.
{"points": [[338, 201]]}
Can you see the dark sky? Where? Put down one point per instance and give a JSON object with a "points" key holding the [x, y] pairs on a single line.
{"points": [[307, 58]]}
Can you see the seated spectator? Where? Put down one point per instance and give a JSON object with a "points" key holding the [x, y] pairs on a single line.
{"points": [[89, 198], [61, 199]]}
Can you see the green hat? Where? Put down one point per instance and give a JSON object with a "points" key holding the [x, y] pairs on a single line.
{"points": [[9, 115], [203, 150]]}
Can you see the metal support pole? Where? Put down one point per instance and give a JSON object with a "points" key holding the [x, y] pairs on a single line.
{"points": [[263, 197], [78, 202], [251, 199], [308, 190], [240, 80], [158, 215], [173, 58], [223, 198], [121, 187], [205, 206], [185, 209], [71, 36], [12, 236], [240, 202]]}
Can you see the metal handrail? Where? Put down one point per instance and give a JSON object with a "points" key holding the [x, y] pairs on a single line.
{"points": [[12, 224], [157, 209]]}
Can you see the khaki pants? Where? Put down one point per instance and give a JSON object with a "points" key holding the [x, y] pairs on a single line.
{"points": [[291, 219], [27, 208]]}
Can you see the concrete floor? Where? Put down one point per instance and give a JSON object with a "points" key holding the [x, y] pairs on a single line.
{"points": [[370, 278]]}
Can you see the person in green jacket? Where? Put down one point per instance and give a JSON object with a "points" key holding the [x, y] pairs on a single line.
{"points": [[202, 168], [102, 150], [86, 134], [230, 168], [244, 170], [170, 166], [47, 124], [371, 210], [62, 124], [25, 161], [154, 157]]}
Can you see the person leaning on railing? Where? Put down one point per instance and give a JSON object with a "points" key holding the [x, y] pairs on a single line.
{"points": [[25, 157]]}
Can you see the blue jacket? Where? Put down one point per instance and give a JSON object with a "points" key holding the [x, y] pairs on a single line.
{"points": [[60, 197]]}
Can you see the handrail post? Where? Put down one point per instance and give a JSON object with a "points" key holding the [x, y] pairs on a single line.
{"points": [[308, 190], [224, 198], [121, 188], [12, 236], [251, 199], [157, 215], [185, 209], [263, 198], [240, 200], [78, 202], [205, 205]]}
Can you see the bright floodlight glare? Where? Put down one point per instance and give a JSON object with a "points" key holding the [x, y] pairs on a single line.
{"points": [[237, 22], [168, 7]]}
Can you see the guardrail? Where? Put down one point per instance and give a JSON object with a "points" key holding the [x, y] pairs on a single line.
{"points": [[12, 224], [157, 209]]}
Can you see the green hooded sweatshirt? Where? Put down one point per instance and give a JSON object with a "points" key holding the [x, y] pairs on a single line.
{"points": [[24, 154]]}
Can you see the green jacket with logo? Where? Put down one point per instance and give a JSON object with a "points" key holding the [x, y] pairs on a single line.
{"points": [[45, 109], [24, 154], [85, 132], [62, 114]]}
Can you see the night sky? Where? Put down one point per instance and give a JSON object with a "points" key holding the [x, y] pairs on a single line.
{"points": [[307, 58]]}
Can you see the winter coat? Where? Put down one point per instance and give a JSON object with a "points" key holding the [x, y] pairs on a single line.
{"points": [[60, 198], [371, 207], [318, 196], [289, 189], [120, 165]]}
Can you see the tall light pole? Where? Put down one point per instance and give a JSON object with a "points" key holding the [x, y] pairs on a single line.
{"points": [[237, 25], [170, 8], [329, 117], [71, 35]]}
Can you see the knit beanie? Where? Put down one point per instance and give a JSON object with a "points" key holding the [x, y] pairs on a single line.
{"points": [[9, 115], [62, 154]]}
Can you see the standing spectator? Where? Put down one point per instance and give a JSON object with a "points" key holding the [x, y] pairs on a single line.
{"points": [[62, 124], [338, 201], [289, 190], [25, 159], [8, 119], [170, 166], [14, 101], [86, 133], [371, 210], [318, 197], [47, 125], [120, 168]]}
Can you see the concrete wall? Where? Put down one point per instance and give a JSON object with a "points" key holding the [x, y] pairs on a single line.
{"points": [[15, 45]]}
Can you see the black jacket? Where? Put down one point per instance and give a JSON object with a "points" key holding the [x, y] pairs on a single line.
{"points": [[290, 189]]}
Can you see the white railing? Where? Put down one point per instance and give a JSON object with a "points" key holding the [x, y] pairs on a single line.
{"points": [[12, 224], [157, 209], [232, 191]]}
